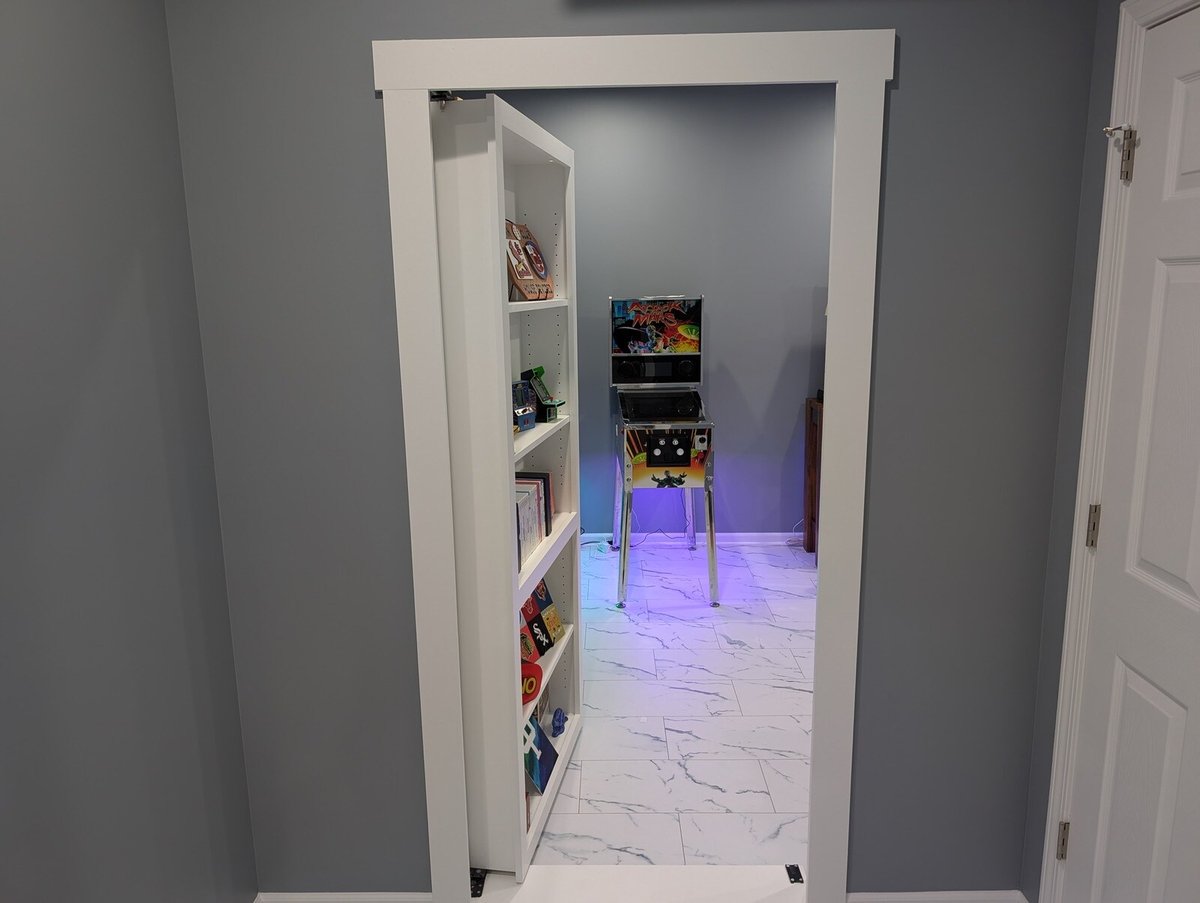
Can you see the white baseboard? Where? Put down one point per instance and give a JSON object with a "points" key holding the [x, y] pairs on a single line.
{"points": [[723, 539], [943, 896], [345, 898]]}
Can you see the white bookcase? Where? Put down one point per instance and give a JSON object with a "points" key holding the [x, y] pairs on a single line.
{"points": [[492, 163]]}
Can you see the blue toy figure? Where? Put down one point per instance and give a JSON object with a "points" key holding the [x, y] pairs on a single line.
{"points": [[559, 724]]}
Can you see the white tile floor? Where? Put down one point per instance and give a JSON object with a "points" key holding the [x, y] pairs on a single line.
{"points": [[699, 720]]}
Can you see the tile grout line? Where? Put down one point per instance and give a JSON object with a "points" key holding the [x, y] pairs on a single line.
{"points": [[682, 848], [767, 784], [738, 697]]}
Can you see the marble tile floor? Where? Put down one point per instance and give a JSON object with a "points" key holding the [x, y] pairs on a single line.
{"points": [[696, 744]]}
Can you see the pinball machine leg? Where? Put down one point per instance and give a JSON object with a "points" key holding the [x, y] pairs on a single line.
{"points": [[626, 517], [689, 513], [710, 530], [618, 509]]}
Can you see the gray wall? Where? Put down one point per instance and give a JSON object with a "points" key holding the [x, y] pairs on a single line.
{"points": [[283, 153], [121, 777], [1070, 427], [716, 191], [284, 167]]}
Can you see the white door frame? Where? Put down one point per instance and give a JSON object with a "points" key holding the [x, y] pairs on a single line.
{"points": [[859, 64], [1136, 18]]}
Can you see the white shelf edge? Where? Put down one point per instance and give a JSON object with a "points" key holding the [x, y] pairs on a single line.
{"points": [[525, 307], [533, 834], [564, 526], [548, 662], [527, 440], [512, 119]]}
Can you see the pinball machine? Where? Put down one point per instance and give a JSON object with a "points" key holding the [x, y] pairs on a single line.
{"points": [[664, 436]]}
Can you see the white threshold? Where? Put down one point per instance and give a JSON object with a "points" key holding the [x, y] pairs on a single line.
{"points": [[646, 884], [943, 896], [650, 884], [348, 897]]}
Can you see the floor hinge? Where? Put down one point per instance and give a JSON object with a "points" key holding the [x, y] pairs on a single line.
{"points": [[477, 877], [793, 873]]}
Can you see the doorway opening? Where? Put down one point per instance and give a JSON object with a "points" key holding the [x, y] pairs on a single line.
{"points": [[698, 718]]}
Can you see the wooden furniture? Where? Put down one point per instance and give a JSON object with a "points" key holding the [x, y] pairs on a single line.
{"points": [[813, 411], [491, 165]]}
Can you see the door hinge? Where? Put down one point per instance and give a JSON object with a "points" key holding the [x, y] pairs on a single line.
{"points": [[1093, 526], [1128, 136], [478, 876], [1064, 832], [443, 97]]}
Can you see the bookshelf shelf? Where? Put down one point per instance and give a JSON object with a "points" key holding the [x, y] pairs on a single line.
{"points": [[491, 164], [549, 662], [527, 307], [527, 440]]}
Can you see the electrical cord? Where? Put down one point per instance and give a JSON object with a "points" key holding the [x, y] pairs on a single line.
{"points": [[646, 536], [795, 540]]}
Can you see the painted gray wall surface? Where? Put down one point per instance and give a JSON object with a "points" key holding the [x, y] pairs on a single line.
{"points": [[716, 191], [287, 200], [1070, 428], [121, 777], [284, 165]]}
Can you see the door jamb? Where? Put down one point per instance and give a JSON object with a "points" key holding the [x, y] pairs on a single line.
{"points": [[859, 64], [1137, 17]]}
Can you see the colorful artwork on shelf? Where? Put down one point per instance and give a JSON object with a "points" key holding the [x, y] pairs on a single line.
{"points": [[528, 273], [541, 605], [540, 755], [544, 631], [529, 609], [553, 622], [542, 637], [529, 650], [541, 596], [531, 681]]}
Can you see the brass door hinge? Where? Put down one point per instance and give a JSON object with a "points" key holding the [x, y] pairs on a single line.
{"points": [[1093, 527], [1128, 136]]}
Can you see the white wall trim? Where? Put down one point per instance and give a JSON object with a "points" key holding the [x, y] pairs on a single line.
{"points": [[427, 458], [1136, 18], [944, 896], [859, 64], [626, 61], [345, 898]]}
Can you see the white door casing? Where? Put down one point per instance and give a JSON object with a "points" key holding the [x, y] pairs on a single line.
{"points": [[1127, 769], [859, 64]]}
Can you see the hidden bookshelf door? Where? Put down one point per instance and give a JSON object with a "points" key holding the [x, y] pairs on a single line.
{"points": [[492, 164]]}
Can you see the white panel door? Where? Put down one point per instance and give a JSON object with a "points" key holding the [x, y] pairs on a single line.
{"points": [[1135, 800]]}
